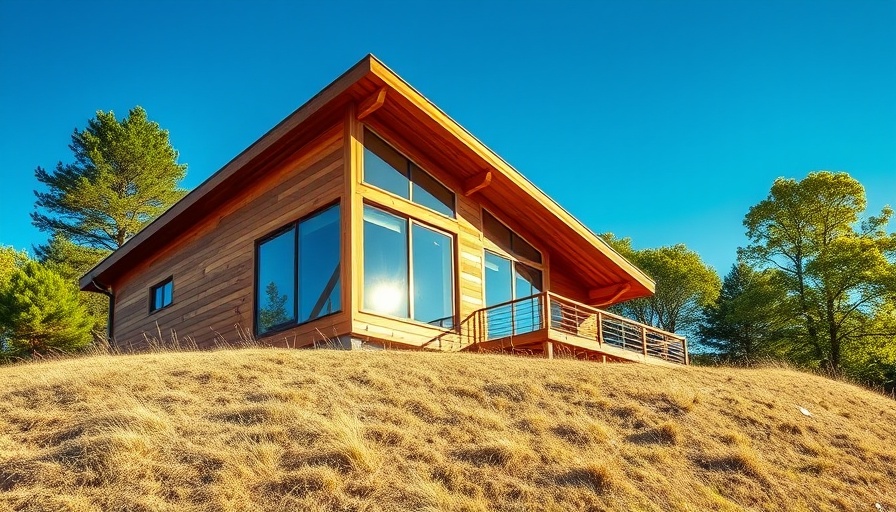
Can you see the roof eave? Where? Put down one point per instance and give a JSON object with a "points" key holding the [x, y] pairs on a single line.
{"points": [[398, 84], [316, 103]]}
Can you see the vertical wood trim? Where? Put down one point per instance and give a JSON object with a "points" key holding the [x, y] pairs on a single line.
{"points": [[350, 210]]}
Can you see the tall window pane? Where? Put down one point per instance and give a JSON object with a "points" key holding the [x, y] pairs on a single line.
{"points": [[433, 280], [319, 272], [527, 313], [276, 281], [428, 192], [385, 263], [384, 167], [498, 290]]}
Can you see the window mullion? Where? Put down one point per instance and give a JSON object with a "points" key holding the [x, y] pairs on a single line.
{"points": [[410, 249], [295, 285]]}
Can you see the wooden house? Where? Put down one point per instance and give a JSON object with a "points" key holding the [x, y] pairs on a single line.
{"points": [[368, 217]]}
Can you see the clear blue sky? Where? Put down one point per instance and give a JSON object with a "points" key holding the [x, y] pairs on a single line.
{"points": [[660, 120]]}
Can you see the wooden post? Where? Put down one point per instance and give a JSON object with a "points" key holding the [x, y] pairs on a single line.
{"points": [[546, 310], [644, 339], [687, 358], [548, 350], [600, 331]]}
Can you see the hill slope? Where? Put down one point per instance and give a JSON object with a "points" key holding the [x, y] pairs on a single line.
{"points": [[287, 429]]}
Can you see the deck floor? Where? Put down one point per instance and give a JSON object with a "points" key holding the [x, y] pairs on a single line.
{"points": [[564, 343]]}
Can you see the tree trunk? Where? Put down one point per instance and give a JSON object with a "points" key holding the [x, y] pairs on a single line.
{"points": [[834, 360]]}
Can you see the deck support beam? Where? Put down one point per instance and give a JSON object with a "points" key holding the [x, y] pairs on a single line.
{"points": [[371, 104], [548, 350], [477, 183]]}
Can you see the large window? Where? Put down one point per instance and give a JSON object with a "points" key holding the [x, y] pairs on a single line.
{"points": [[511, 274], [408, 269], [298, 272], [507, 280], [386, 168]]}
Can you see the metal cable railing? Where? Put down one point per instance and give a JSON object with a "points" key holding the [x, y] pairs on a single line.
{"points": [[549, 311]]}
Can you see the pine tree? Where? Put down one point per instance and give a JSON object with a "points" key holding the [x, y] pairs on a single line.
{"points": [[274, 312], [752, 318], [40, 313], [124, 175]]}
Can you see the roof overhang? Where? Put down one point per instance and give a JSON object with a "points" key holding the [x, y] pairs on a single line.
{"points": [[385, 100]]}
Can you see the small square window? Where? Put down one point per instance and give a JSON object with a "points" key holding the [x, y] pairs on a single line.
{"points": [[161, 294]]}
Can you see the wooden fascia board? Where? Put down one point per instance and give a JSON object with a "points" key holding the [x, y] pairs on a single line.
{"points": [[312, 106], [493, 161]]}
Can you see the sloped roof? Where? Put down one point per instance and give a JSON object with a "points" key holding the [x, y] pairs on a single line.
{"points": [[598, 265]]}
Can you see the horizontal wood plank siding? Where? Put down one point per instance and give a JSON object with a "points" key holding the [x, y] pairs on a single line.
{"points": [[213, 262]]}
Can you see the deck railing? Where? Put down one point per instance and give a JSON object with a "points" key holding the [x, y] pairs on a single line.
{"points": [[551, 312]]}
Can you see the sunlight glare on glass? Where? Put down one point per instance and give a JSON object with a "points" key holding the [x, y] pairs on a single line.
{"points": [[386, 297]]}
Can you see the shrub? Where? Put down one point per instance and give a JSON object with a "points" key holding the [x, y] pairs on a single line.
{"points": [[40, 313]]}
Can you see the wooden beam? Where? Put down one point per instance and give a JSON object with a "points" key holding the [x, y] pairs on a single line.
{"points": [[477, 183], [548, 350], [605, 296], [371, 104]]}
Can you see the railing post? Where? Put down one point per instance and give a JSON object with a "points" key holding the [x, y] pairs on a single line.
{"points": [[546, 319], [644, 339], [512, 318], [684, 345], [600, 329]]}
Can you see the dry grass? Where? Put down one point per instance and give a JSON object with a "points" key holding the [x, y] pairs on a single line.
{"points": [[265, 429]]}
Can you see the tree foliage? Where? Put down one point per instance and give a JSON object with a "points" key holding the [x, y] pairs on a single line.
{"points": [[684, 285], [274, 312], [838, 268], [40, 313], [10, 260], [124, 175], [71, 261], [752, 318]]}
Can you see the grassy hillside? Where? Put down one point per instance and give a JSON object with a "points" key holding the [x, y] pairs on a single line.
{"points": [[260, 429]]}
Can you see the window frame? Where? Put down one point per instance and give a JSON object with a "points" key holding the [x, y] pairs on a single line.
{"points": [[490, 245], [294, 227], [411, 161], [411, 221], [152, 294]]}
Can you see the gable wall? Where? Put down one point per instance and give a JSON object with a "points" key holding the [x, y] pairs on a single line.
{"points": [[212, 264], [469, 244]]}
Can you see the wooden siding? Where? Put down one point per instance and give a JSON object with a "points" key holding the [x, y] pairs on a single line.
{"points": [[466, 228], [213, 262]]}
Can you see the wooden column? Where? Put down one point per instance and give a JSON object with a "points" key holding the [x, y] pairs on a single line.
{"points": [[644, 339], [549, 350]]}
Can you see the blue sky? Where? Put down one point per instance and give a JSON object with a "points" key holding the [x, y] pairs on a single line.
{"points": [[659, 120]]}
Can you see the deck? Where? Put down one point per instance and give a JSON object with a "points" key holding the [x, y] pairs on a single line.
{"points": [[550, 324]]}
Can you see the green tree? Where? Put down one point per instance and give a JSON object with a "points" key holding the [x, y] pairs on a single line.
{"points": [[874, 361], [40, 313], [274, 312], [10, 260], [124, 175], [71, 261], [752, 317], [684, 285], [838, 268]]}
